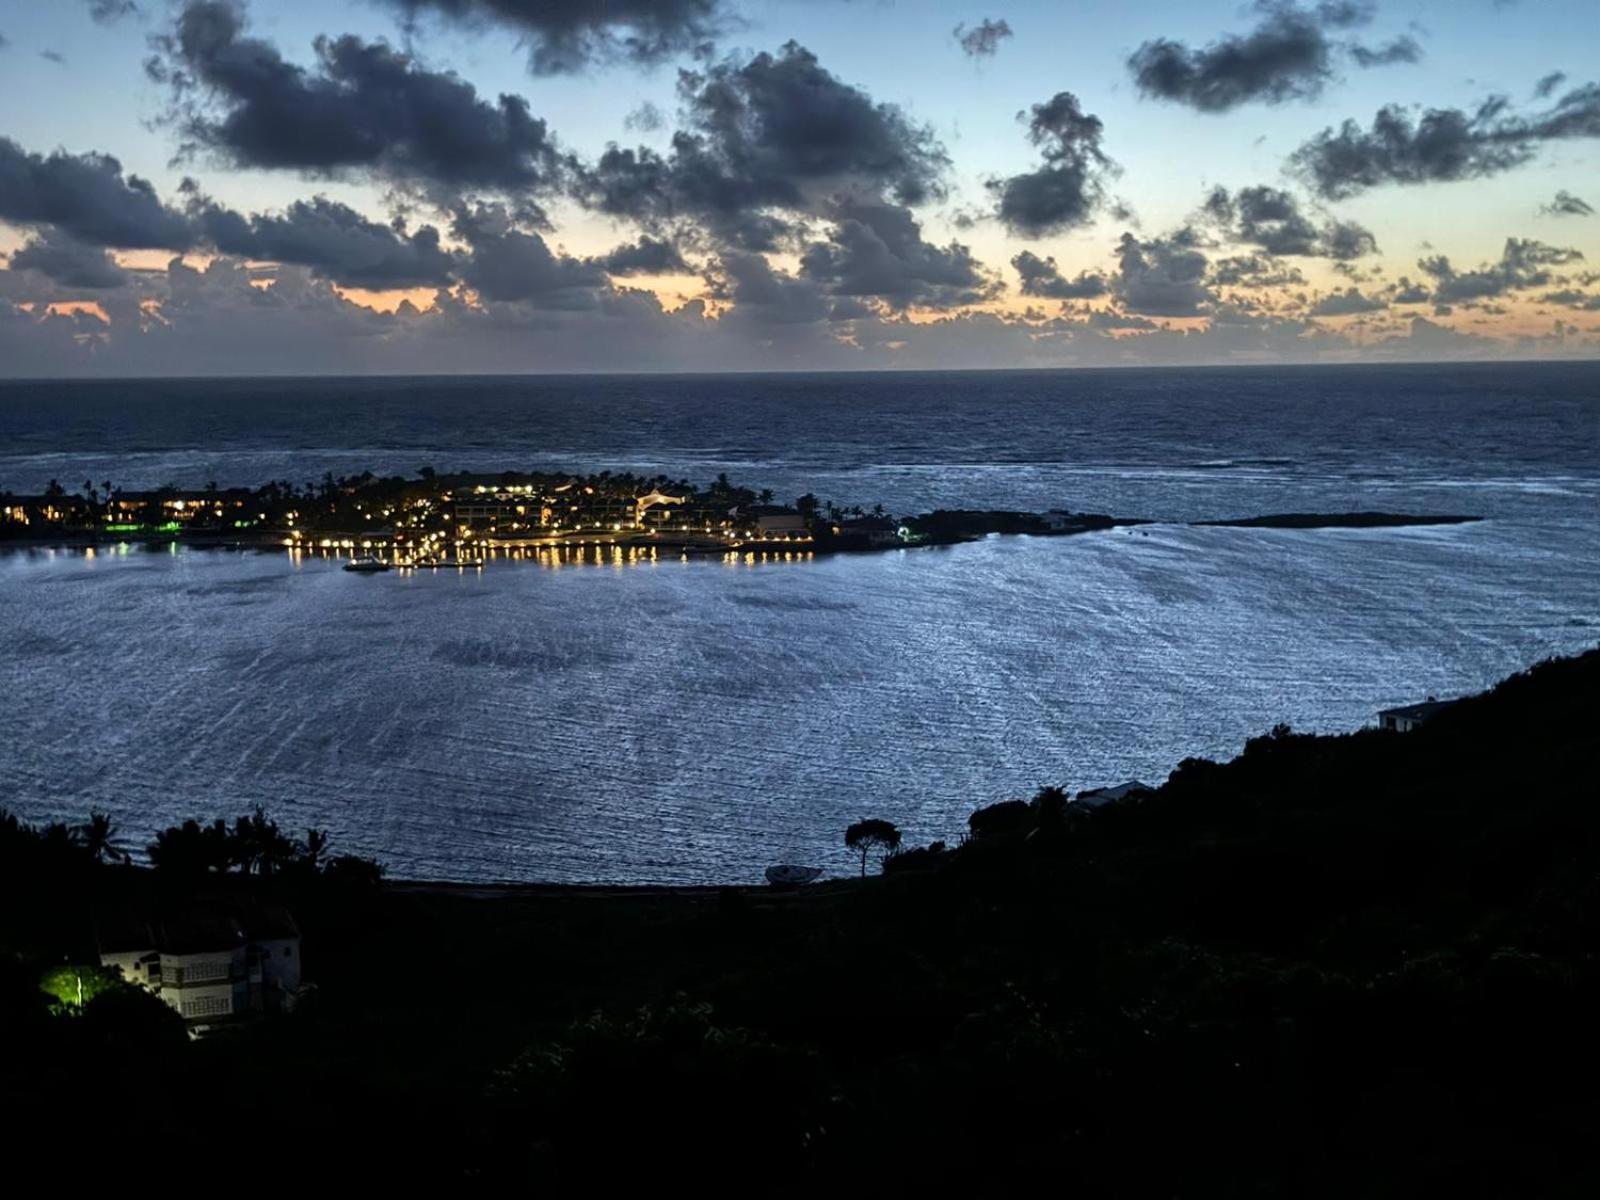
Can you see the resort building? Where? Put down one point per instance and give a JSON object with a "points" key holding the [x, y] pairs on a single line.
{"points": [[780, 524], [1410, 716], [875, 532], [213, 963]]}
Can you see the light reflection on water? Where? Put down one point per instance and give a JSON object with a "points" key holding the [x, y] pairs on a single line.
{"points": [[697, 720]]}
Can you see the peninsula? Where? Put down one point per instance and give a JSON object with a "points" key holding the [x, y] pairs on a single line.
{"points": [[436, 519]]}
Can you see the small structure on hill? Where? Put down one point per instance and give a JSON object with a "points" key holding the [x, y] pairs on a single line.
{"points": [[214, 962], [1095, 797], [1408, 717]]}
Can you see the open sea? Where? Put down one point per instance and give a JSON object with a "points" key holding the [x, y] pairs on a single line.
{"points": [[686, 722]]}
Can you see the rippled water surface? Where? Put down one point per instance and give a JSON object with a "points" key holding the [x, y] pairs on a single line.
{"points": [[696, 721]]}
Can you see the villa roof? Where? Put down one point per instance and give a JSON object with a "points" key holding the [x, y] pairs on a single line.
{"points": [[1416, 712], [205, 925]]}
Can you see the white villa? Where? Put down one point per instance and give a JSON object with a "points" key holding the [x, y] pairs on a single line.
{"points": [[212, 963]]}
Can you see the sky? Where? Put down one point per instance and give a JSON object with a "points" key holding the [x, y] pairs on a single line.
{"points": [[216, 187]]}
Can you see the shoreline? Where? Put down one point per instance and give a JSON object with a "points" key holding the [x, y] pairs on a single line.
{"points": [[990, 523]]}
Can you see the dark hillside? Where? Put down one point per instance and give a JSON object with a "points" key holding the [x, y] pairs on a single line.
{"points": [[1336, 965]]}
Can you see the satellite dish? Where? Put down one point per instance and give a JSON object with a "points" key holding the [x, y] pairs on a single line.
{"points": [[791, 876]]}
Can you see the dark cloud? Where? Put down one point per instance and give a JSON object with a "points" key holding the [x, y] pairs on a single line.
{"points": [[54, 56], [106, 12], [1290, 55], [1069, 187], [763, 296], [4, 41], [1272, 219], [1404, 49], [508, 264], [1406, 292], [766, 139], [1255, 271], [876, 250], [363, 108], [87, 196], [68, 262], [647, 256], [334, 241], [568, 35], [1162, 277], [1547, 85], [1041, 277], [1567, 205], [1572, 298], [1346, 303], [1524, 263], [983, 39], [1443, 144]]}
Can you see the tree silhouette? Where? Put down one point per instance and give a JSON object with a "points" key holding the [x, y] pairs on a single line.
{"points": [[98, 839], [872, 834]]}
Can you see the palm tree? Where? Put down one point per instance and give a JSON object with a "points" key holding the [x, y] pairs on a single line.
{"points": [[98, 839], [313, 848]]}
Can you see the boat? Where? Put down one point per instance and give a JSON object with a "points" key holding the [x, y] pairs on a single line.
{"points": [[366, 563], [786, 875]]}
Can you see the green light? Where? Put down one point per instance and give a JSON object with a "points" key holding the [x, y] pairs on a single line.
{"points": [[169, 527], [124, 528], [74, 986]]}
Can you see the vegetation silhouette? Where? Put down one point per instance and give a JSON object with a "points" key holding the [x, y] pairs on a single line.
{"points": [[872, 834]]}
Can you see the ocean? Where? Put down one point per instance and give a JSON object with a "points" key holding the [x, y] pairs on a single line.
{"points": [[692, 722]]}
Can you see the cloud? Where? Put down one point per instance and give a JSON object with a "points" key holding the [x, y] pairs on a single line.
{"points": [[1255, 271], [1547, 85], [508, 264], [1067, 189], [1289, 55], [1404, 49], [1346, 303], [876, 250], [766, 139], [1162, 277], [54, 56], [364, 108], [1572, 298], [1524, 263], [647, 256], [87, 196], [1443, 144], [569, 35], [1406, 292], [983, 39], [1271, 219], [647, 118], [1041, 277], [1567, 205], [68, 262], [107, 12], [764, 296], [334, 241]]}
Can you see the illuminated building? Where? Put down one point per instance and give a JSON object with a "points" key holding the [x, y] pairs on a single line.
{"points": [[211, 963]]}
